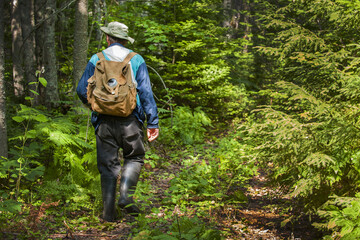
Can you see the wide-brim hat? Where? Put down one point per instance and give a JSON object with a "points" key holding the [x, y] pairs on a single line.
{"points": [[118, 30]]}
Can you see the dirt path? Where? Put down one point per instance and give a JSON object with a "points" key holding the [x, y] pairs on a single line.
{"points": [[259, 219], [122, 229], [262, 217]]}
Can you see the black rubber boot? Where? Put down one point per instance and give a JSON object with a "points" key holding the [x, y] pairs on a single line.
{"points": [[129, 178], [108, 189]]}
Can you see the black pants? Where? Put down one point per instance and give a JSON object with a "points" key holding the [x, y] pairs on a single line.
{"points": [[115, 133]]}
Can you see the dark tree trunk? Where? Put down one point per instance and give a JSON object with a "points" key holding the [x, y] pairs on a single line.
{"points": [[28, 48], [97, 20], [39, 40], [227, 13], [49, 56], [18, 73], [3, 130], [246, 19]]}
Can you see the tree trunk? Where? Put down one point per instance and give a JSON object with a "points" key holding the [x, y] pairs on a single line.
{"points": [[39, 43], [80, 41], [3, 131], [18, 73], [97, 20], [49, 56], [28, 48], [104, 13], [247, 31]]}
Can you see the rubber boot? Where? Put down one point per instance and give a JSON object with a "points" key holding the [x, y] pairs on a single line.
{"points": [[129, 178], [108, 189]]}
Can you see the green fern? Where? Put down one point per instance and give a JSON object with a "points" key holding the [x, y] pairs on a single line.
{"points": [[343, 216]]}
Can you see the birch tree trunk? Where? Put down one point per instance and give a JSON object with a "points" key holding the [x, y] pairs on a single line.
{"points": [[18, 73], [28, 48], [80, 41], [3, 130], [49, 56]]}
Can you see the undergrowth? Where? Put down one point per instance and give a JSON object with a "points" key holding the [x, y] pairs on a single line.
{"points": [[50, 182]]}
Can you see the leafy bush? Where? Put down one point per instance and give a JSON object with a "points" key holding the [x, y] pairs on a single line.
{"points": [[343, 218], [308, 144], [192, 228], [189, 127], [47, 146], [235, 166], [182, 228], [55, 190], [196, 179], [306, 130], [192, 54], [212, 172]]}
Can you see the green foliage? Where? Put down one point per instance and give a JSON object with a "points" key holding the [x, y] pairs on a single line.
{"points": [[182, 228], [235, 167], [189, 50], [343, 218], [309, 144], [9, 205], [210, 178], [55, 190], [185, 126], [30, 160], [306, 130], [190, 126], [197, 179], [211, 174], [186, 228]]}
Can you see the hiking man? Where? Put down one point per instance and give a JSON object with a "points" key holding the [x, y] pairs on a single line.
{"points": [[113, 132]]}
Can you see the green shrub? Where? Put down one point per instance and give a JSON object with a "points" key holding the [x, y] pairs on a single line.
{"points": [[343, 218], [187, 126], [47, 146], [182, 228]]}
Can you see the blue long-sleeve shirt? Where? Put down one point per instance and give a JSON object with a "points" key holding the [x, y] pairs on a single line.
{"points": [[145, 100]]}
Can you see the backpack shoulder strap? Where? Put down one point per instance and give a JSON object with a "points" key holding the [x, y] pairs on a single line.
{"points": [[100, 56], [126, 60], [129, 57]]}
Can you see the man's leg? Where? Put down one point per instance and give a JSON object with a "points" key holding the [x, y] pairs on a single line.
{"points": [[109, 167], [134, 152], [129, 178]]}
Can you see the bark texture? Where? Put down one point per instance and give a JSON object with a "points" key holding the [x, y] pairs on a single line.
{"points": [[28, 48], [18, 72], [3, 129], [80, 40], [39, 9], [49, 55], [97, 20]]}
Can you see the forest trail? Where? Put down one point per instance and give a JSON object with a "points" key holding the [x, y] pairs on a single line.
{"points": [[260, 218], [265, 212]]}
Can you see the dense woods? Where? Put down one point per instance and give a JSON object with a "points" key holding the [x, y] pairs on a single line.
{"points": [[246, 90]]}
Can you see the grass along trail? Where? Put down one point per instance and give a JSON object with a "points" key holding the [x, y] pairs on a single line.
{"points": [[189, 214], [259, 218]]}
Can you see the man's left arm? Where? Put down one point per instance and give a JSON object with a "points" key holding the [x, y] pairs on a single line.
{"points": [[147, 101]]}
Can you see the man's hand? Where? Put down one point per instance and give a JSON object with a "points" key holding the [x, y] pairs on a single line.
{"points": [[152, 134]]}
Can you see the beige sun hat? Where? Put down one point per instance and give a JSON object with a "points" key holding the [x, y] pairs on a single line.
{"points": [[118, 30]]}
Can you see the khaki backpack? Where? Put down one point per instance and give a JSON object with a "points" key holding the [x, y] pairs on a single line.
{"points": [[111, 90]]}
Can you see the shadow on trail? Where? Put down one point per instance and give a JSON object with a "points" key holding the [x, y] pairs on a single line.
{"points": [[267, 215]]}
